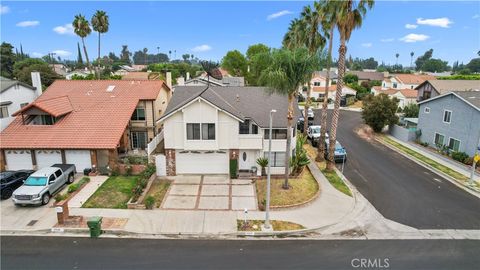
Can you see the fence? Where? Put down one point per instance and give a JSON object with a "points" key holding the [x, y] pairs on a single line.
{"points": [[402, 133], [154, 143], [161, 163]]}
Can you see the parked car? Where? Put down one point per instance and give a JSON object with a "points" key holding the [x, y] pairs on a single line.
{"points": [[313, 134], [41, 185], [301, 123], [340, 152], [11, 180], [310, 114]]}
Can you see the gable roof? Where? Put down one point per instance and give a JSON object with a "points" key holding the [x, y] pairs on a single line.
{"points": [[323, 74], [472, 98], [444, 86], [225, 81], [413, 78], [96, 118], [141, 75], [241, 102], [6, 83]]}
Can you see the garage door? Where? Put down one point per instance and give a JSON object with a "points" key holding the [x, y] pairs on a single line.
{"points": [[46, 158], [18, 159], [202, 163], [81, 159]]}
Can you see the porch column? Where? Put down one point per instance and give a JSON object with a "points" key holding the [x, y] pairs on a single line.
{"points": [[64, 158], [93, 158], [2, 160], [171, 162]]}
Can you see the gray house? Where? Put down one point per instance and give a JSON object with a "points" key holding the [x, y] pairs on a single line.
{"points": [[433, 88], [451, 119]]}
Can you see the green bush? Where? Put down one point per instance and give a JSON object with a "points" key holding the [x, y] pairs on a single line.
{"points": [[233, 168], [149, 202], [143, 181], [262, 162], [74, 187], [60, 197], [460, 156]]}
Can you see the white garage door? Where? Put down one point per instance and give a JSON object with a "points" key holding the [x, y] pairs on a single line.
{"points": [[18, 159], [202, 163], [81, 159], [46, 158]]}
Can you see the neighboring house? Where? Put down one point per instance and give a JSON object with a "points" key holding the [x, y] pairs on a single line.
{"points": [[367, 76], [318, 92], [78, 72], [84, 122], [206, 128], [60, 69], [319, 79], [13, 96], [404, 96], [405, 81], [203, 81], [451, 119], [142, 75], [433, 88]]}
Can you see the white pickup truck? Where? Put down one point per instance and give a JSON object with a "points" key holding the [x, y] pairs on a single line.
{"points": [[41, 185]]}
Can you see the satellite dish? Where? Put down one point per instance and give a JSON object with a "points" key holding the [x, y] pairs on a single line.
{"points": [[212, 70]]}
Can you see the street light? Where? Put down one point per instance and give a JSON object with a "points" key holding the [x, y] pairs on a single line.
{"points": [[267, 206]]}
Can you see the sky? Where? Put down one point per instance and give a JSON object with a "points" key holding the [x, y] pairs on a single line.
{"points": [[209, 29]]}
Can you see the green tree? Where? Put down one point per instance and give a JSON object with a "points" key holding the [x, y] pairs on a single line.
{"points": [[350, 15], [100, 24], [411, 59], [435, 65], [379, 111], [81, 27], [411, 110], [256, 62], [422, 59], [474, 65], [125, 54], [22, 71], [350, 79], [235, 63], [7, 60], [287, 72]]}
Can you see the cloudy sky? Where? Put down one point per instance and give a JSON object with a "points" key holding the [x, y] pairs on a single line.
{"points": [[209, 29]]}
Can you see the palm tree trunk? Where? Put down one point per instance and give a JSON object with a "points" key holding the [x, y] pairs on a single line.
{"points": [[305, 109], [336, 110], [323, 125], [289, 139], [86, 54], [98, 59]]}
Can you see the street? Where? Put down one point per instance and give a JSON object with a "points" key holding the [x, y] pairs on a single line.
{"points": [[84, 253], [400, 189]]}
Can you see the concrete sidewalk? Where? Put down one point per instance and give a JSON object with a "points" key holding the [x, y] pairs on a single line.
{"points": [[82, 196]]}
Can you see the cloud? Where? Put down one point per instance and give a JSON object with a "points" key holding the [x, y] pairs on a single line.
{"points": [[202, 48], [278, 14], [367, 45], [37, 54], [411, 26], [440, 22], [62, 53], [4, 9], [410, 38], [387, 39], [476, 16], [28, 23], [66, 29]]}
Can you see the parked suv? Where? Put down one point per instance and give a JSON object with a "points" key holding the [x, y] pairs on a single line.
{"points": [[340, 152], [11, 180], [41, 185]]}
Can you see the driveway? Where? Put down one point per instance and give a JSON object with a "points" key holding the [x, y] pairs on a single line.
{"points": [[210, 192], [400, 189]]}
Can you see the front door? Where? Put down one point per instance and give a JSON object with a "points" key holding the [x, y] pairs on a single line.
{"points": [[247, 159]]}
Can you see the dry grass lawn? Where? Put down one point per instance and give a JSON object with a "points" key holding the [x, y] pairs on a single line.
{"points": [[158, 189], [302, 189], [357, 104], [113, 193], [278, 225]]}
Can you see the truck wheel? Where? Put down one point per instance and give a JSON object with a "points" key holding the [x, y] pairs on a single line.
{"points": [[70, 179], [45, 198], [6, 193]]}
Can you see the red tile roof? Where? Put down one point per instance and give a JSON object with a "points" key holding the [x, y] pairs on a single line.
{"points": [[413, 78], [97, 120], [409, 93], [56, 106], [331, 88]]}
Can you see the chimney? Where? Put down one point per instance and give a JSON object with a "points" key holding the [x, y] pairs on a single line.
{"points": [[37, 82], [169, 79], [180, 81], [187, 76]]}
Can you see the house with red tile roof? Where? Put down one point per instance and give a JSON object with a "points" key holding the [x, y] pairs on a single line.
{"points": [[404, 96], [84, 122], [405, 81]]}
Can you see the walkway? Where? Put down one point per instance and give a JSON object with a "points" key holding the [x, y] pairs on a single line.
{"points": [[82, 196]]}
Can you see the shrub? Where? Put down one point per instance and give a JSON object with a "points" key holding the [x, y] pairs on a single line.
{"points": [[262, 162], [60, 197], [468, 161], [379, 111], [128, 167], [233, 168], [300, 158], [411, 110], [72, 188], [149, 202], [460, 156]]}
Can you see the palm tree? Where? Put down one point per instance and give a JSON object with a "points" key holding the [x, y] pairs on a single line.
{"points": [[350, 15], [396, 56], [411, 59], [100, 24], [81, 27], [145, 50], [287, 71]]}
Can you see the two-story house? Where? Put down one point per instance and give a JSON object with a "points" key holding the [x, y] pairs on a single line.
{"points": [[13, 96], [433, 88], [405, 81], [206, 127], [85, 123], [451, 119]]}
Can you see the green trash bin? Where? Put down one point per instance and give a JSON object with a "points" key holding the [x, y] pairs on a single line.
{"points": [[95, 226]]}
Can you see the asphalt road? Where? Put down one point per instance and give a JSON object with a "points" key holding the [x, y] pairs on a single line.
{"points": [[84, 253], [399, 188]]}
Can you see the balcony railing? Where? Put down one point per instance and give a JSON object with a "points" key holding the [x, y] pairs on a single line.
{"points": [[250, 141]]}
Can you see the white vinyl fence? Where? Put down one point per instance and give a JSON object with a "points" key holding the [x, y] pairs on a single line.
{"points": [[154, 143]]}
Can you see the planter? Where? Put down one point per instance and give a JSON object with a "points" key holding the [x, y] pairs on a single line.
{"points": [[139, 203], [136, 168]]}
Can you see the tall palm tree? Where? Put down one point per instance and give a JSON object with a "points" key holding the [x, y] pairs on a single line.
{"points": [[396, 56], [287, 71], [295, 36], [145, 50], [99, 24], [411, 59], [350, 15], [81, 27]]}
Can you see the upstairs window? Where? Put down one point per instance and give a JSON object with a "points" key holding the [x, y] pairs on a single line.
{"points": [[193, 131], [208, 131], [427, 110], [138, 114], [277, 134], [3, 112], [317, 83], [244, 128], [447, 116]]}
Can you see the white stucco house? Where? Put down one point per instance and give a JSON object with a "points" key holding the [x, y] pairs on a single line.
{"points": [[319, 92], [404, 96], [13, 96], [205, 128], [405, 81]]}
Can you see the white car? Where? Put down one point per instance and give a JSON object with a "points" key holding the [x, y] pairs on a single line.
{"points": [[310, 113], [313, 134]]}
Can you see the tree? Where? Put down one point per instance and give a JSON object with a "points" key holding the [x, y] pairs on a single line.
{"points": [[379, 111], [422, 59], [396, 56], [185, 57], [255, 50], [7, 60], [100, 24], [81, 27], [125, 54], [22, 71], [145, 50], [435, 65], [350, 78], [256, 62], [411, 110], [235, 63], [474, 65], [79, 57], [411, 59], [287, 72], [113, 57], [350, 15]]}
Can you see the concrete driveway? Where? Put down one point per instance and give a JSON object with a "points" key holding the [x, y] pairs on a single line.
{"points": [[210, 192]]}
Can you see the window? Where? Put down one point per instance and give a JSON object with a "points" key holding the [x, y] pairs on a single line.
{"points": [[426, 95], [58, 173], [447, 116], [244, 128], [278, 159], [427, 110], [47, 120], [193, 131], [254, 129], [277, 134], [51, 178], [208, 131], [439, 139], [453, 144], [139, 139], [3, 111], [138, 114], [317, 83], [395, 85]]}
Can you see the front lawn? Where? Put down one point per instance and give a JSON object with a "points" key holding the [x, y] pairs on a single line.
{"points": [[302, 189], [277, 225], [113, 193], [157, 190]]}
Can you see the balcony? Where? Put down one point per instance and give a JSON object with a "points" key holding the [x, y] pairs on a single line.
{"points": [[250, 141]]}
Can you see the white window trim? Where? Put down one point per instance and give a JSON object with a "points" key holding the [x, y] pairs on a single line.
{"points": [[434, 135], [426, 110], [459, 143], [443, 116]]}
